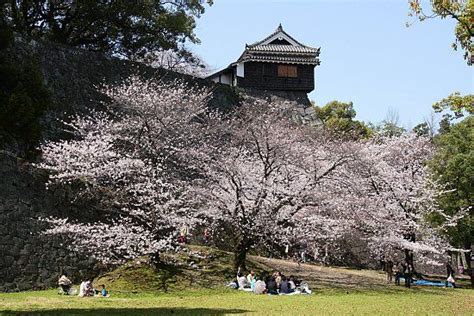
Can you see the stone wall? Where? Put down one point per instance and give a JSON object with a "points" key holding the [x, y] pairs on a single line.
{"points": [[28, 260], [303, 110], [74, 75]]}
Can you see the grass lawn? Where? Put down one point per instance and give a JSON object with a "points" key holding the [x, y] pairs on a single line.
{"points": [[191, 283], [392, 301]]}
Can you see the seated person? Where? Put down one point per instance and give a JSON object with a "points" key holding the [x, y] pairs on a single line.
{"points": [[86, 289], [277, 276], [304, 288], [104, 291], [65, 284], [272, 287], [251, 277], [260, 287], [292, 282], [82, 289], [242, 281], [285, 287]]}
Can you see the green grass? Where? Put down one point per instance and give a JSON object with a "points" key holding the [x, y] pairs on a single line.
{"points": [[220, 302], [195, 268], [191, 282]]}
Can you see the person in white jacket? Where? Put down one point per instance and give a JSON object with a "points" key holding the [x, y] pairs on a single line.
{"points": [[65, 284], [82, 289]]}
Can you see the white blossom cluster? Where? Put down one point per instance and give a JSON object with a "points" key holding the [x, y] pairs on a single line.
{"points": [[130, 159], [158, 160]]}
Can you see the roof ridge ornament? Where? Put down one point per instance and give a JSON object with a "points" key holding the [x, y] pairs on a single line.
{"points": [[279, 28]]}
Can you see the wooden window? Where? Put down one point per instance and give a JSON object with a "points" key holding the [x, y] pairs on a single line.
{"points": [[287, 71]]}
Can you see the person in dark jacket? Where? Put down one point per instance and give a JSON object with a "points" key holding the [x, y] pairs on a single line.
{"points": [[285, 287], [449, 273], [398, 275], [407, 274], [449, 270], [272, 287]]}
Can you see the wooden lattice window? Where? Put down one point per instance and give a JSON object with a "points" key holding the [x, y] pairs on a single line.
{"points": [[287, 71]]}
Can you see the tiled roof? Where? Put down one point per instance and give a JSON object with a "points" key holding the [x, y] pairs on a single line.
{"points": [[295, 52], [279, 29], [289, 59], [283, 49]]}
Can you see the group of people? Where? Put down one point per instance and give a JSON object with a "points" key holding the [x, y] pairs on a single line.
{"points": [[85, 289], [273, 284], [399, 270], [406, 271]]}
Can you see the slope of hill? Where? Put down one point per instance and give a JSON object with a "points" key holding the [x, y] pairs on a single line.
{"points": [[196, 267]]}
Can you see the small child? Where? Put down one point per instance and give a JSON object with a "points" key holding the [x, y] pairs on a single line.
{"points": [[104, 292]]}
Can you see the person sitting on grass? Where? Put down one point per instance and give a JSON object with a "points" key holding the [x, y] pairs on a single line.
{"points": [[242, 281], [293, 282], [86, 289], [272, 287], [277, 277], [89, 288], [260, 287], [304, 288], [65, 284], [82, 289], [104, 291], [251, 279], [285, 287]]}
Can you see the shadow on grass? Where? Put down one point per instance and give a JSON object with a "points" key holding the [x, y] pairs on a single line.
{"points": [[131, 311]]}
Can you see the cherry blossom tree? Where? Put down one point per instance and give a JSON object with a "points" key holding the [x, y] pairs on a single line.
{"points": [[158, 160], [134, 160], [392, 195], [270, 173], [384, 196]]}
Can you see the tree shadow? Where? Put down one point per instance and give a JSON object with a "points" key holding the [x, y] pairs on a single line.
{"points": [[132, 311]]}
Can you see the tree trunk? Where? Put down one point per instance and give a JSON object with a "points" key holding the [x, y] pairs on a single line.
{"points": [[409, 260], [468, 257], [240, 254], [409, 257]]}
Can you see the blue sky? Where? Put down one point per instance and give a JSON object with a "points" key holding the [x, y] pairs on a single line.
{"points": [[368, 55]]}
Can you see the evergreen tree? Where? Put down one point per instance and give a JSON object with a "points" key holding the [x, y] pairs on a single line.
{"points": [[23, 99]]}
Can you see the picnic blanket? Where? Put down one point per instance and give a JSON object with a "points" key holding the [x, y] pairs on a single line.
{"points": [[431, 283]]}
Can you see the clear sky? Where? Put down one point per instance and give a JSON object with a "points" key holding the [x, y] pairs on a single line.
{"points": [[368, 55]]}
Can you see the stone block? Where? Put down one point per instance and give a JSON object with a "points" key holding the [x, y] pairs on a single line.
{"points": [[8, 260]]}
